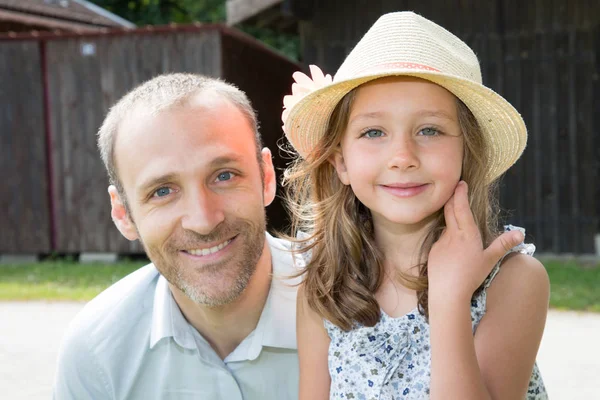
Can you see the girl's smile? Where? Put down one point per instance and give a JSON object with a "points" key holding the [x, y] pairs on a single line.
{"points": [[405, 189]]}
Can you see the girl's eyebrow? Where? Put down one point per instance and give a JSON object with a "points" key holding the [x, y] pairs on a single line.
{"points": [[438, 113], [367, 115]]}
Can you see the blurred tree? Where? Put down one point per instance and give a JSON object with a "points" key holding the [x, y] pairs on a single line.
{"points": [[158, 12]]}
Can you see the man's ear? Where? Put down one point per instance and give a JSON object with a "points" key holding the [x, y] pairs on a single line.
{"points": [[337, 160], [119, 214], [270, 180]]}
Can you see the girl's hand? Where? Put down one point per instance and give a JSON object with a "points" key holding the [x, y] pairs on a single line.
{"points": [[458, 263]]}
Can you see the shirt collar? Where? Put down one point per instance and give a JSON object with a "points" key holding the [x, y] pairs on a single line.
{"points": [[167, 320], [276, 326]]}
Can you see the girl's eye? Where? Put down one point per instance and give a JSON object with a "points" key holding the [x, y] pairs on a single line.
{"points": [[224, 176], [162, 192], [373, 133], [429, 132]]}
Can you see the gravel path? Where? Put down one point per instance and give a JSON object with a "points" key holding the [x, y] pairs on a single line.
{"points": [[30, 333]]}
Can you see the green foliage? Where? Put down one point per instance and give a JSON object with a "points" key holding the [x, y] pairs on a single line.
{"points": [[159, 12], [286, 44]]}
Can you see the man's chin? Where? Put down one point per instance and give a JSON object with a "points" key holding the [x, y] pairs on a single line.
{"points": [[212, 297]]}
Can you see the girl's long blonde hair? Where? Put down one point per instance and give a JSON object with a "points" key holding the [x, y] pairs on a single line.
{"points": [[346, 267]]}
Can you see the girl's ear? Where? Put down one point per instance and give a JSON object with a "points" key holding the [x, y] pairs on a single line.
{"points": [[337, 160]]}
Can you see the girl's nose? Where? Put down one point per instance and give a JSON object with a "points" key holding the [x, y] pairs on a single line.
{"points": [[403, 153]]}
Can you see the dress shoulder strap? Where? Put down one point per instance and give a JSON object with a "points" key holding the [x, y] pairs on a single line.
{"points": [[523, 248]]}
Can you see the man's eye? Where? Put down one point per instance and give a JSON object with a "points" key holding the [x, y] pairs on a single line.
{"points": [[429, 132], [163, 191], [224, 176], [373, 133]]}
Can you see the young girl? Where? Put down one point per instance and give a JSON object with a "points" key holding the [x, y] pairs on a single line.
{"points": [[409, 291]]}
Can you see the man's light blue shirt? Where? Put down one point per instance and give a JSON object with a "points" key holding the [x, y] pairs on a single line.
{"points": [[132, 342]]}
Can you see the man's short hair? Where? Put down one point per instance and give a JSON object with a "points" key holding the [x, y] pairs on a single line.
{"points": [[162, 93]]}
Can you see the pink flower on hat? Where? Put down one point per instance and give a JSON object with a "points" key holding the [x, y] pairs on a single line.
{"points": [[303, 86]]}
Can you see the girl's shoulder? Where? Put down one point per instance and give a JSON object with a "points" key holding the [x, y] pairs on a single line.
{"points": [[518, 278]]}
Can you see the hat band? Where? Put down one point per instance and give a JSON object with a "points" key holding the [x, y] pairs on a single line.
{"points": [[395, 65]]}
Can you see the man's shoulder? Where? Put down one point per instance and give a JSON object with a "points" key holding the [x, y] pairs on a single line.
{"points": [[123, 303], [106, 334], [282, 256]]}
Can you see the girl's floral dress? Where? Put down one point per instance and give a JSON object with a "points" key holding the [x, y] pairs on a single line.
{"points": [[392, 360]]}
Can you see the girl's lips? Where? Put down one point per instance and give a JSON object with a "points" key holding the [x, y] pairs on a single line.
{"points": [[405, 191]]}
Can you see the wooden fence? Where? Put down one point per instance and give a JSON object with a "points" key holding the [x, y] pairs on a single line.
{"points": [[24, 202], [55, 198]]}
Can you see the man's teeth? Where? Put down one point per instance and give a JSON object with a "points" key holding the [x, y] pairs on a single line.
{"points": [[205, 252]]}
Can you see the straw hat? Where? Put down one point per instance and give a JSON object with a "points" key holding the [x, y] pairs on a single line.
{"points": [[404, 43]]}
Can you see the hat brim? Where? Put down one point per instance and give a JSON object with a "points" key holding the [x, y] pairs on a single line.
{"points": [[502, 125]]}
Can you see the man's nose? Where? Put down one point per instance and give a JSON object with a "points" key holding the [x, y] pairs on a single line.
{"points": [[203, 212], [403, 153]]}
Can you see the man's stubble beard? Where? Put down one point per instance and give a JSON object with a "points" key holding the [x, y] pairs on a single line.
{"points": [[237, 271]]}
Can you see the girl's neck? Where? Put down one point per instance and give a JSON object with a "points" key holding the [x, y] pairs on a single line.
{"points": [[401, 244]]}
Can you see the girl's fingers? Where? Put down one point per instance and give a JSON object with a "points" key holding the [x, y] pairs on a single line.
{"points": [[449, 214], [502, 245], [462, 209]]}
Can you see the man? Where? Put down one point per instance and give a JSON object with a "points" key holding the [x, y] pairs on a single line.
{"points": [[212, 317]]}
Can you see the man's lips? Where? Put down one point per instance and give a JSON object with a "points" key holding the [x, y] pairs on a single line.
{"points": [[206, 250]]}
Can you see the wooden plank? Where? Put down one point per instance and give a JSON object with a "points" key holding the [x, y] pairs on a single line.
{"points": [[24, 207], [563, 132], [530, 174], [594, 175], [119, 66], [585, 140]]}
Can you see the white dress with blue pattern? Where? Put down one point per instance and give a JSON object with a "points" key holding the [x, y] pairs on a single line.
{"points": [[392, 360]]}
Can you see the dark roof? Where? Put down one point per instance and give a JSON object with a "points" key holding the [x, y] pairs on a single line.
{"points": [[59, 14]]}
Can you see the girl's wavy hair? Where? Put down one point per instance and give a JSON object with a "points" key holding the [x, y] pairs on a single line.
{"points": [[346, 267]]}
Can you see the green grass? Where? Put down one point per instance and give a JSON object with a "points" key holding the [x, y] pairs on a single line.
{"points": [[60, 280], [574, 286]]}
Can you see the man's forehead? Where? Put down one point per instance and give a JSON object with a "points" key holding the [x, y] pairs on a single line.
{"points": [[206, 101], [206, 120]]}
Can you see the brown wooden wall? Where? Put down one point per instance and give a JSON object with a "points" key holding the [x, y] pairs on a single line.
{"points": [[86, 74], [24, 206], [544, 57]]}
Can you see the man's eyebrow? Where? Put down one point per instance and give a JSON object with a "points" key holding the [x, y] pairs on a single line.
{"points": [[224, 160], [155, 181], [166, 178]]}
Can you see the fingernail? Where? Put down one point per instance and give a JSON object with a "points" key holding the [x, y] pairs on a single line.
{"points": [[519, 237]]}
